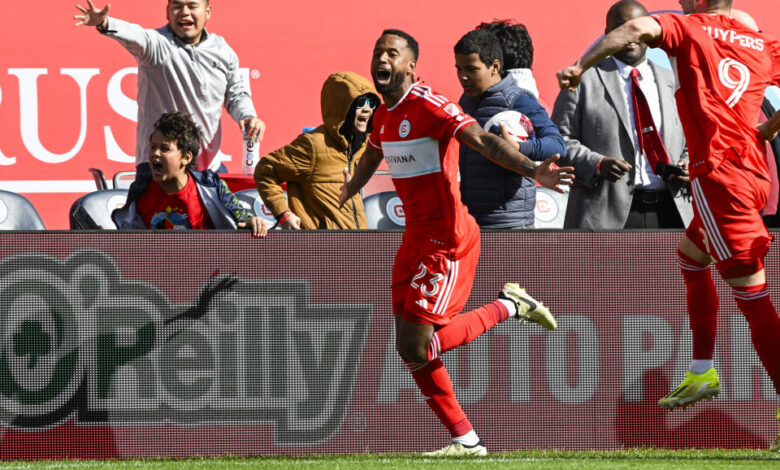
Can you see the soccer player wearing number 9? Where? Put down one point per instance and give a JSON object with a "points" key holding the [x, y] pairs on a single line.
{"points": [[417, 132], [722, 68]]}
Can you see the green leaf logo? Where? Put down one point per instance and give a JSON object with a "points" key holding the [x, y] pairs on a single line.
{"points": [[32, 341]]}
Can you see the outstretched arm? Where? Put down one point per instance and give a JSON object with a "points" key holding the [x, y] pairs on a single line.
{"points": [[770, 128], [643, 29], [92, 16], [365, 169], [502, 153]]}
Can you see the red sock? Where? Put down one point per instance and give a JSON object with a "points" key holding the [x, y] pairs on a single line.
{"points": [[755, 304], [702, 299], [466, 327], [435, 384]]}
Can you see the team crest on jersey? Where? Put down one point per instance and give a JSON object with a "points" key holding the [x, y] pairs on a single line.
{"points": [[404, 128], [452, 109]]}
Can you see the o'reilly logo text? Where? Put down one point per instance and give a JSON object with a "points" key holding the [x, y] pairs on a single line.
{"points": [[81, 342]]}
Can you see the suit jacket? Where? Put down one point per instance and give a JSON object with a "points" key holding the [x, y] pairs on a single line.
{"points": [[594, 122]]}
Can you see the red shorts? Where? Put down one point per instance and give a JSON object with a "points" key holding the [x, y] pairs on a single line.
{"points": [[727, 223], [432, 286]]}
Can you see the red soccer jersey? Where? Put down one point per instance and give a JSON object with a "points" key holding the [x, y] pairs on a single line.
{"points": [[178, 211], [722, 69], [417, 138]]}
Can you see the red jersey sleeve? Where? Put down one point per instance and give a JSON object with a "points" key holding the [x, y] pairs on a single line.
{"points": [[447, 119], [674, 29], [374, 139]]}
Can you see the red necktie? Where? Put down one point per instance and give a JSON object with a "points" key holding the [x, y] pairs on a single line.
{"points": [[649, 139]]}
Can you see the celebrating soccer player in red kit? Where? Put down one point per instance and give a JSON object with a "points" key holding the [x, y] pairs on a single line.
{"points": [[722, 68], [417, 132]]}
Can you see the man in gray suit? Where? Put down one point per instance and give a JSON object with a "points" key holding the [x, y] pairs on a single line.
{"points": [[616, 187]]}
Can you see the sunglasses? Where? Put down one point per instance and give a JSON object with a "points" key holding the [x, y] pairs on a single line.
{"points": [[362, 101]]}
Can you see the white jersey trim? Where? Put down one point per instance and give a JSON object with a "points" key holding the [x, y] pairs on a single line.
{"points": [[444, 298], [467, 121], [403, 97], [722, 251], [376, 147]]}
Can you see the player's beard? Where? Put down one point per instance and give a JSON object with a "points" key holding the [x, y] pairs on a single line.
{"points": [[396, 80]]}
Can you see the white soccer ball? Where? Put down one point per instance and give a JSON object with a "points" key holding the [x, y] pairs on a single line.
{"points": [[516, 123]]}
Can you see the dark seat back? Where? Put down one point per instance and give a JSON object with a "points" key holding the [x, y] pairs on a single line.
{"points": [[384, 211], [93, 211]]}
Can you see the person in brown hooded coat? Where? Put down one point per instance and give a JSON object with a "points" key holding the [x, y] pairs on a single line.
{"points": [[314, 164]]}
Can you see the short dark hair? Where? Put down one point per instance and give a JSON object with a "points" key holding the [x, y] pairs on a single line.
{"points": [[720, 3], [622, 7], [181, 128], [515, 42], [481, 42], [410, 41]]}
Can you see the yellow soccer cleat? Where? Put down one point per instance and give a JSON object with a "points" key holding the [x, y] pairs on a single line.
{"points": [[775, 447], [528, 309], [695, 387], [459, 450]]}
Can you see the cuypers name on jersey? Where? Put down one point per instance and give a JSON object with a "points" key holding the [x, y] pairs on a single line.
{"points": [[734, 37], [85, 344], [410, 158]]}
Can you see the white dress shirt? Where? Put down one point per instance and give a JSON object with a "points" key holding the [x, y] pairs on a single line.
{"points": [[644, 177]]}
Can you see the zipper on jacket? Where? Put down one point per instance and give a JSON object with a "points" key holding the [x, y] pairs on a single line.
{"points": [[349, 165]]}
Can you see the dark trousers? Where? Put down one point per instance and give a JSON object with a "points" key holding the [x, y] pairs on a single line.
{"points": [[653, 209]]}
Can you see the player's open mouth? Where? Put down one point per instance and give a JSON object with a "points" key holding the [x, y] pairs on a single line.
{"points": [[156, 167], [186, 24], [362, 119], [382, 76]]}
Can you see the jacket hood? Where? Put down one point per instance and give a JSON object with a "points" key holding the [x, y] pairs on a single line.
{"points": [[338, 93]]}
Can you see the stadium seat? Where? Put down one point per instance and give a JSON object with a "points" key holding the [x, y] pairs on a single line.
{"points": [[93, 211], [550, 208], [384, 211], [100, 178], [123, 179], [251, 200], [17, 213]]}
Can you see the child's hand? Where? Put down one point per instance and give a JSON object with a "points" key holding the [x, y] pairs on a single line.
{"points": [[256, 224]]}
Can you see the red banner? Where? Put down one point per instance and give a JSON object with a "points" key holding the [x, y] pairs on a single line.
{"points": [[176, 344], [67, 95]]}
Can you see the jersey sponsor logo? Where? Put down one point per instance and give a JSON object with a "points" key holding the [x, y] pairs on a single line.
{"points": [[743, 40], [412, 158], [401, 158], [404, 129]]}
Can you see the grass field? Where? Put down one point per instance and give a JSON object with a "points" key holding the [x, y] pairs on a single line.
{"points": [[527, 460]]}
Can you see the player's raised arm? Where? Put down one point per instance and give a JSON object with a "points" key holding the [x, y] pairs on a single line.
{"points": [[643, 29], [91, 16], [505, 154], [366, 167], [770, 128]]}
